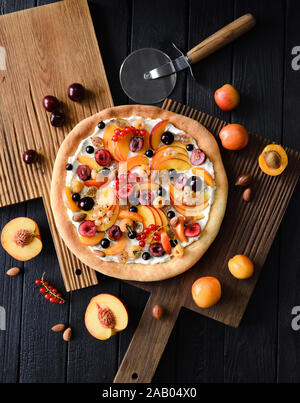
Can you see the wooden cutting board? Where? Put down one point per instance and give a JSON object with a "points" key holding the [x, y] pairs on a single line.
{"points": [[248, 228], [42, 51]]}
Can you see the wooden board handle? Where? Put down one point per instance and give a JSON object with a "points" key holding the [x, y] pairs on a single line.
{"points": [[148, 343], [221, 38]]}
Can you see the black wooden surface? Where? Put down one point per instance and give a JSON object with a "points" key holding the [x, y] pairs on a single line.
{"points": [[264, 348]]}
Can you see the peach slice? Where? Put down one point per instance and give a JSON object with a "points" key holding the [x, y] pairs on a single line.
{"points": [[163, 217], [176, 149], [146, 145], [134, 162], [172, 163], [147, 214], [156, 132], [117, 247], [160, 158], [21, 238], [165, 241], [131, 215], [191, 211], [158, 220], [97, 184], [93, 240], [179, 230], [68, 201], [107, 140], [112, 220], [208, 179], [105, 316], [89, 161]]}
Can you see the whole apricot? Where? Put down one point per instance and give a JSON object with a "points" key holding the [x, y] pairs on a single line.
{"points": [[206, 291], [234, 136], [241, 267], [227, 97]]}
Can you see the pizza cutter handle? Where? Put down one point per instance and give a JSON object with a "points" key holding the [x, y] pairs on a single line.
{"points": [[150, 338], [221, 38]]}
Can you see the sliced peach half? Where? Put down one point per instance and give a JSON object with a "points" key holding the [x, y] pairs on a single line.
{"points": [[89, 161], [208, 179], [105, 316], [156, 132], [104, 226], [172, 163], [147, 214], [273, 160], [21, 238], [156, 161], [116, 248], [92, 240], [68, 201], [134, 162], [160, 152]]}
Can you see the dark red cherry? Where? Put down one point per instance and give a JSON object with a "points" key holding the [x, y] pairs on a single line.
{"points": [[136, 144], [156, 249], [76, 92], [103, 157], [84, 172], [50, 103], [114, 233], [87, 228], [86, 203], [30, 156], [57, 118]]}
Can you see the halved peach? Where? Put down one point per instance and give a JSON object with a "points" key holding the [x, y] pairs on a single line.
{"points": [[105, 316], [131, 215], [89, 161], [68, 201], [168, 149], [208, 179], [104, 226], [21, 238], [92, 240], [147, 214], [156, 132], [161, 157], [134, 162], [116, 248]]}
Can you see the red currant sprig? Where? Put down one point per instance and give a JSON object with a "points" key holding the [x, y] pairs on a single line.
{"points": [[146, 232], [122, 132], [50, 293]]}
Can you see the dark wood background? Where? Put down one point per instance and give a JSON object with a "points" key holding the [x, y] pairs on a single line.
{"points": [[264, 348]]}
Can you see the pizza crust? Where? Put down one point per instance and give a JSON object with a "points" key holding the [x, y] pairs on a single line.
{"points": [[137, 271]]}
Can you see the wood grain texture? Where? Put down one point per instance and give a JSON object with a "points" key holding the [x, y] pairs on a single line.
{"points": [[48, 65], [248, 228]]}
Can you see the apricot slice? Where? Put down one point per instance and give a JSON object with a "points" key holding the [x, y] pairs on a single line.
{"points": [[117, 247], [208, 179], [234, 136], [147, 214], [206, 291], [93, 240], [131, 215], [227, 97], [21, 238], [134, 162], [105, 316], [158, 220], [156, 132], [165, 241], [68, 201], [273, 160], [241, 267], [95, 183], [172, 163], [163, 217], [89, 161], [108, 143], [179, 230]]}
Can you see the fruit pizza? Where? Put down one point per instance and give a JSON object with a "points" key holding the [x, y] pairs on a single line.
{"points": [[139, 193]]}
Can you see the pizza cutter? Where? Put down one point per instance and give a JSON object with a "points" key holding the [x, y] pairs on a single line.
{"points": [[148, 75]]}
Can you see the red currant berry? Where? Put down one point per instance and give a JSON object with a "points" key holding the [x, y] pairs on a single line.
{"points": [[142, 132], [50, 287], [142, 244], [38, 282], [54, 291], [58, 294], [127, 130], [117, 132], [143, 236], [42, 290], [147, 231], [61, 302], [47, 296], [152, 227], [114, 137], [52, 299], [139, 238], [46, 283], [156, 237]]}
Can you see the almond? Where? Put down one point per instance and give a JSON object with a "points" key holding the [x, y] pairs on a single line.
{"points": [[174, 221], [99, 253], [244, 180], [58, 328], [67, 334], [14, 271], [78, 217], [247, 194]]}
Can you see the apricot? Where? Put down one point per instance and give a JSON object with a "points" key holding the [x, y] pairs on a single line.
{"points": [[227, 97], [234, 136], [241, 267], [21, 238], [105, 316], [206, 291], [273, 160]]}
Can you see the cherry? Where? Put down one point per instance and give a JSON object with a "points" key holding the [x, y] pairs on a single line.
{"points": [[57, 118], [50, 103], [126, 191], [87, 229], [198, 157], [180, 181], [84, 172], [114, 233], [30, 156], [192, 230], [167, 138], [136, 144], [76, 92], [156, 249], [86, 203], [103, 157]]}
